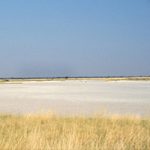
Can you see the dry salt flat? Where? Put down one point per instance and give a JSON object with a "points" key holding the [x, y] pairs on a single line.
{"points": [[73, 97]]}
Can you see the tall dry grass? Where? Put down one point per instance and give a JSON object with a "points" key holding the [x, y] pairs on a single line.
{"points": [[32, 132]]}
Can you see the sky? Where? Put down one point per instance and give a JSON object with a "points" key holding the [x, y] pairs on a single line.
{"points": [[49, 38]]}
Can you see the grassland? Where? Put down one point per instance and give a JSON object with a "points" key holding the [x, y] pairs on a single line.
{"points": [[52, 132], [21, 80]]}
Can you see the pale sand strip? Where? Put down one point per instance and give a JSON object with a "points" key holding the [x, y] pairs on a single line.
{"points": [[76, 97]]}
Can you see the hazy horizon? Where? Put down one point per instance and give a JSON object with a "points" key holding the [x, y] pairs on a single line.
{"points": [[74, 38]]}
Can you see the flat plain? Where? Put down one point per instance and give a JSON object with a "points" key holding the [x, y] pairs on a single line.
{"points": [[87, 114], [76, 96]]}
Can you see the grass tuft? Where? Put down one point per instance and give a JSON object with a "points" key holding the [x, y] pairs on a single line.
{"points": [[52, 132]]}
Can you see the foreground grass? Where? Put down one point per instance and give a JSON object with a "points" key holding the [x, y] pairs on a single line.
{"points": [[74, 133]]}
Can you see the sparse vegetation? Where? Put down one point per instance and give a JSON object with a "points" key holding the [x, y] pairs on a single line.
{"points": [[74, 133], [21, 80]]}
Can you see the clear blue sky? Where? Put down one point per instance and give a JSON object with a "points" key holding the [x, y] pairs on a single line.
{"points": [[74, 38]]}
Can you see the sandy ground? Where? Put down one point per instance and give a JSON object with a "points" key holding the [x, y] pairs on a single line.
{"points": [[73, 97]]}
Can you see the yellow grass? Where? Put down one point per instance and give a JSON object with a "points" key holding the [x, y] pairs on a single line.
{"points": [[32, 132]]}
